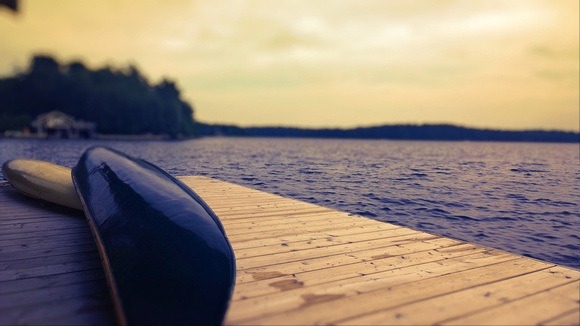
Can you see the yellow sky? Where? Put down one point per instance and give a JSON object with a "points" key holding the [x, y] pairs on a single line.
{"points": [[483, 63]]}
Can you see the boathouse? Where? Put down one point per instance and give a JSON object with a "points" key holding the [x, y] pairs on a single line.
{"points": [[56, 124]]}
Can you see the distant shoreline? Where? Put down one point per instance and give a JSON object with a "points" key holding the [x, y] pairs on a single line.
{"points": [[442, 132], [428, 132]]}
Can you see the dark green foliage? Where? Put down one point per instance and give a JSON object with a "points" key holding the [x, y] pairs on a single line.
{"points": [[396, 132], [119, 101]]}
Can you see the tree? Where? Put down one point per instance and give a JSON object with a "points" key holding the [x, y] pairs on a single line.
{"points": [[120, 101]]}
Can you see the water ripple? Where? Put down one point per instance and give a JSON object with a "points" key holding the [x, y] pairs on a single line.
{"points": [[521, 197]]}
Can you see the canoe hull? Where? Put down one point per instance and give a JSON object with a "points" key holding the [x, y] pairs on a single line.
{"points": [[165, 252]]}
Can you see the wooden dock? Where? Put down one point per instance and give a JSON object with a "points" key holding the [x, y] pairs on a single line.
{"points": [[297, 263]]}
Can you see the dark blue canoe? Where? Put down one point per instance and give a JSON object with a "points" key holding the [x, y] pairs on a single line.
{"points": [[165, 253]]}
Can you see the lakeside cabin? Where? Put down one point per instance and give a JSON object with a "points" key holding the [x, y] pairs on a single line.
{"points": [[56, 124]]}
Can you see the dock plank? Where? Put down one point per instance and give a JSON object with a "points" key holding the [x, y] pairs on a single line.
{"points": [[468, 301], [543, 304], [50, 270], [298, 263], [322, 269], [570, 317], [337, 304]]}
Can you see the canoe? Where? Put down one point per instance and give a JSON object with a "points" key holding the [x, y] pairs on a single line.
{"points": [[165, 252], [43, 180]]}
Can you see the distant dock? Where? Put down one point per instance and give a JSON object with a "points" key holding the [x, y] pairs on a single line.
{"points": [[298, 263]]}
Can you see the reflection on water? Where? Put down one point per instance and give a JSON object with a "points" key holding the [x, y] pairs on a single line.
{"points": [[520, 197]]}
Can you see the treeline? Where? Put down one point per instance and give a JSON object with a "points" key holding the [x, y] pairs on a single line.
{"points": [[396, 132], [119, 101]]}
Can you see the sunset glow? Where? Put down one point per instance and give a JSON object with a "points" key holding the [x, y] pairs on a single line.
{"points": [[511, 64]]}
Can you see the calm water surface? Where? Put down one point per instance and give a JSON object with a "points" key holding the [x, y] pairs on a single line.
{"points": [[520, 197]]}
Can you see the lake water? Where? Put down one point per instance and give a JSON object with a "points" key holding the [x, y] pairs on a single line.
{"points": [[519, 197]]}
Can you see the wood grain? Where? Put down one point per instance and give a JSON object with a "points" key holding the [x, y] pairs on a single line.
{"points": [[298, 264]]}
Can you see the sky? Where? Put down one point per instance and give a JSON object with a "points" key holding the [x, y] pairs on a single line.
{"points": [[510, 64]]}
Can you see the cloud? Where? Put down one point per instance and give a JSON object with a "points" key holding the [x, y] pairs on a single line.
{"points": [[384, 61]]}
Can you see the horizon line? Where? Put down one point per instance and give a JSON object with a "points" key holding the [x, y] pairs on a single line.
{"points": [[414, 124]]}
